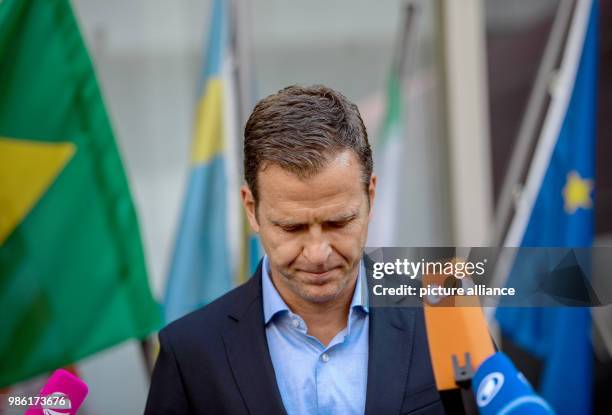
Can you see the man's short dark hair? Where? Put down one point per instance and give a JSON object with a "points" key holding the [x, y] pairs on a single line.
{"points": [[301, 129]]}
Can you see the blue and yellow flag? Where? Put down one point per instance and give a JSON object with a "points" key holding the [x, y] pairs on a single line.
{"points": [[205, 260], [556, 210]]}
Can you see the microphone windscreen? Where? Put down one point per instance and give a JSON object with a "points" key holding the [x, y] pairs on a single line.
{"points": [[455, 326], [499, 388], [61, 384]]}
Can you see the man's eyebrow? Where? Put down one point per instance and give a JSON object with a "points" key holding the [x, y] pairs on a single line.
{"points": [[342, 217], [280, 222], [284, 223]]}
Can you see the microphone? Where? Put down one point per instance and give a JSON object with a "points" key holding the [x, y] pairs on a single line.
{"points": [[63, 394], [456, 330], [499, 388], [456, 327]]}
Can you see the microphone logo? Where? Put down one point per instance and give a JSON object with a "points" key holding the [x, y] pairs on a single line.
{"points": [[57, 403], [488, 388]]}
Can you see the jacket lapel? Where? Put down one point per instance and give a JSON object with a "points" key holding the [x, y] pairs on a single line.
{"points": [[390, 343], [247, 351]]}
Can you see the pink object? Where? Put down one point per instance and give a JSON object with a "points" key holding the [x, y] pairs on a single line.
{"points": [[61, 383]]}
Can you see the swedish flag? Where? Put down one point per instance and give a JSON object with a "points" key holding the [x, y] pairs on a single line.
{"points": [[205, 261]]}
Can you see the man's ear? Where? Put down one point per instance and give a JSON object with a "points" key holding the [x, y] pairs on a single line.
{"points": [[372, 194], [248, 201]]}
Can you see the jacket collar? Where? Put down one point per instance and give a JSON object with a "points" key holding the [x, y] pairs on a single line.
{"points": [[246, 347], [391, 335]]}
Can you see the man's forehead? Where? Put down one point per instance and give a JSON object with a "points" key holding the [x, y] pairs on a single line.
{"points": [[336, 190], [296, 213], [343, 168], [334, 182], [338, 158]]}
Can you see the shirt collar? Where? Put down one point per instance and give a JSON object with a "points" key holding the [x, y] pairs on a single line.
{"points": [[274, 304], [272, 301]]}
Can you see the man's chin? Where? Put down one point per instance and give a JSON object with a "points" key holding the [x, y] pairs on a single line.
{"points": [[320, 293], [319, 298], [319, 287]]}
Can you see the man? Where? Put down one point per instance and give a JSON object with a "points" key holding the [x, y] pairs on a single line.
{"points": [[299, 337]]}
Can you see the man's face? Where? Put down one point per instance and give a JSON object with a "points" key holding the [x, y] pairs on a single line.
{"points": [[314, 229]]}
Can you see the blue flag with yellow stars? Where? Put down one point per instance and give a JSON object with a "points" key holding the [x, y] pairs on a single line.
{"points": [[556, 210]]}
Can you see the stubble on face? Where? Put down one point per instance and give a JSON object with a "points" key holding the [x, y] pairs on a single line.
{"points": [[313, 229]]}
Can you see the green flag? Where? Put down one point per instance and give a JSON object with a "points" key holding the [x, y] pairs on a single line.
{"points": [[72, 274]]}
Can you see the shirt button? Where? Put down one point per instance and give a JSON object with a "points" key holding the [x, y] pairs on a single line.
{"points": [[296, 323], [325, 357]]}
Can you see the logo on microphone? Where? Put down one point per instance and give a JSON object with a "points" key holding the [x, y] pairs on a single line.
{"points": [[57, 403], [490, 385]]}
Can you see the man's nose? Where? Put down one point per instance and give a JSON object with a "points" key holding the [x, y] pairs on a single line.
{"points": [[317, 248]]}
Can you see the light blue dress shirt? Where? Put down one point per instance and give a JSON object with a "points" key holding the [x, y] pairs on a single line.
{"points": [[313, 378]]}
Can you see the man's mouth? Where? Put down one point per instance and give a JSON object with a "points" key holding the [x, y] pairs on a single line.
{"points": [[318, 276]]}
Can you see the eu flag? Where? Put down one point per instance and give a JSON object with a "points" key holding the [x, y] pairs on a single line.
{"points": [[556, 210]]}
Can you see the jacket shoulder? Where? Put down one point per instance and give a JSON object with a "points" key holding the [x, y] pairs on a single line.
{"points": [[212, 318]]}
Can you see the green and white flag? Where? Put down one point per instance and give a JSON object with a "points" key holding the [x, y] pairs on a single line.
{"points": [[389, 150]]}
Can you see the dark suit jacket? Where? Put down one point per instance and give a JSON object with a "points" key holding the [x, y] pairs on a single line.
{"points": [[216, 361]]}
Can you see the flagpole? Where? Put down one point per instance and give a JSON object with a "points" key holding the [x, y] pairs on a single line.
{"points": [[244, 72], [242, 15], [402, 45], [526, 141], [147, 346], [532, 120]]}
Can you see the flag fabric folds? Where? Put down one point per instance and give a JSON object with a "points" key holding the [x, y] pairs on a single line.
{"points": [[206, 256], [384, 229], [73, 279], [556, 210]]}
